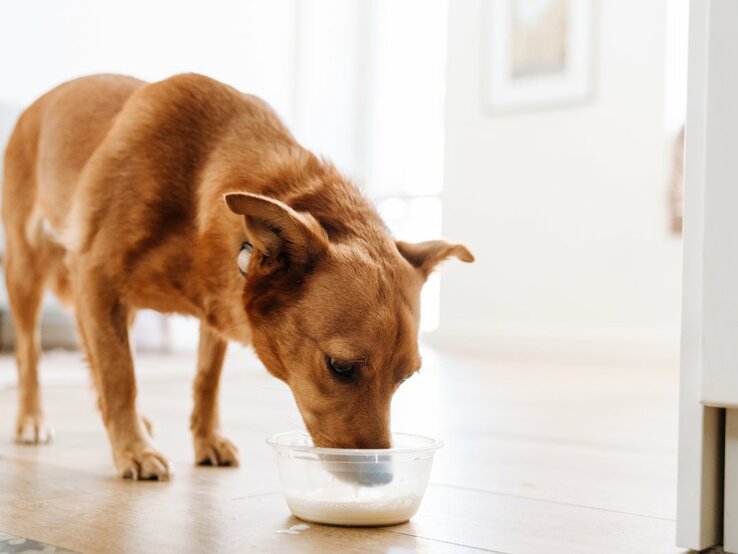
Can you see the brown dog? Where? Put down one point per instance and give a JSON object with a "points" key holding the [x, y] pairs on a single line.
{"points": [[123, 195]]}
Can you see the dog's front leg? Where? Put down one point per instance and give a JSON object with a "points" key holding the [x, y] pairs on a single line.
{"points": [[103, 322], [211, 447]]}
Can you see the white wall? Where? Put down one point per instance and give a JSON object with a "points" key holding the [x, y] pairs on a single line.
{"points": [[565, 209], [360, 81], [247, 44]]}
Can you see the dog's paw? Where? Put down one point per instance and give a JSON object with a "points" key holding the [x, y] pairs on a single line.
{"points": [[215, 450], [142, 463], [33, 429]]}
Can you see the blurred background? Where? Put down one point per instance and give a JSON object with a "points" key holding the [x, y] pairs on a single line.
{"points": [[544, 134]]}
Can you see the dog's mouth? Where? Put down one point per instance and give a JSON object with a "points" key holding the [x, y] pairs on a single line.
{"points": [[327, 433], [322, 440]]}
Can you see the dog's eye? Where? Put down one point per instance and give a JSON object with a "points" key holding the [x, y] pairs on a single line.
{"points": [[346, 371], [244, 256]]}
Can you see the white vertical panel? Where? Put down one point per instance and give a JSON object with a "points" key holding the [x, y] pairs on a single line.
{"points": [[331, 76], [406, 101], [675, 74], [370, 87], [720, 182], [699, 509]]}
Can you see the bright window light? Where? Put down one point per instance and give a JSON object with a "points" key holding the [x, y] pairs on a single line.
{"points": [[416, 220]]}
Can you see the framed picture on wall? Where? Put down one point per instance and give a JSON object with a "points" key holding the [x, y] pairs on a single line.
{"points": [[537, 53]]}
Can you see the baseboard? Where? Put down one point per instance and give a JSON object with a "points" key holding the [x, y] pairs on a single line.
{"points": [[607, 346], [57, 331]]}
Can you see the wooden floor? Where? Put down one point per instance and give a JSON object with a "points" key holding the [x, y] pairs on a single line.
{"points": [[540, 456]]}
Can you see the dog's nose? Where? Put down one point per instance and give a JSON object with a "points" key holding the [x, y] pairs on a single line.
{"points": [[377, 469], [369, 471]]}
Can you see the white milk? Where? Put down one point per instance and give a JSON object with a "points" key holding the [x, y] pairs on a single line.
{"points": [[369, 511]]}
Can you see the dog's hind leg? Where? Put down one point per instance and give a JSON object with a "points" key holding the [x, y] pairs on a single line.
{"points": [[25, 283], [24, 259], [211, 447]]}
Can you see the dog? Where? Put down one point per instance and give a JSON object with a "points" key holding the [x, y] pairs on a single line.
{"points": [[187, 196]]}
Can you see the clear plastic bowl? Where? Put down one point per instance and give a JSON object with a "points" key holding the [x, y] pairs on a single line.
{"points": [[358, 487]]}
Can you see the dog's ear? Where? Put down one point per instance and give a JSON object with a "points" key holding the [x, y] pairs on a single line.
{"points": [[275, 228], [425, 256]]}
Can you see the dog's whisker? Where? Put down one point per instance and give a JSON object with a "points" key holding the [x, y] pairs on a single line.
{"points": [[331, 440]]}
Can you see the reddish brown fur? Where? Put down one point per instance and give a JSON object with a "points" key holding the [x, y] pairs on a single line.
{"points": [[114, 196]]}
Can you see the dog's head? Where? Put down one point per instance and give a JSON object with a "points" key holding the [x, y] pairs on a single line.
{"points": [[335, 315]]}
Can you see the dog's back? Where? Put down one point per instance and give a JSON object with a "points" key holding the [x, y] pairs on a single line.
{"points": [[136, 167], [50, 145]]}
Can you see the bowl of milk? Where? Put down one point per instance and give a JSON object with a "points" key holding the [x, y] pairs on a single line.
{"points": [[356, 487]]}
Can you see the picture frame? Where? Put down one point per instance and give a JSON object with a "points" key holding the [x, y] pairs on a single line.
{"points": [[537, 53]]}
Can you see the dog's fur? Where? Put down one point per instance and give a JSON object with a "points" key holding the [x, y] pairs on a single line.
{"points": [[121, 195]]}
